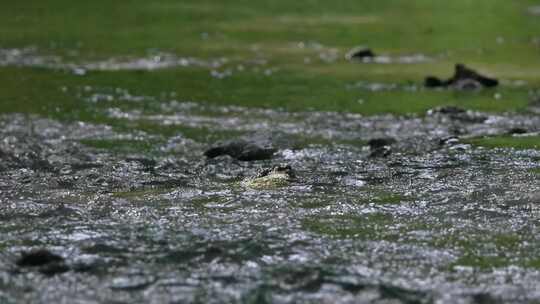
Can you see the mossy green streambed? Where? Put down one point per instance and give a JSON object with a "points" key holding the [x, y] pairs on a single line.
{"points": [[107, 109]]}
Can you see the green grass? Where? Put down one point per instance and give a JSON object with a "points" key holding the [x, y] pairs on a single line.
{"points": [[389, 198], [481, 250], [368, 227], [472, 255], [481, 262], [104, 28], [517, 142], [241, 31]]}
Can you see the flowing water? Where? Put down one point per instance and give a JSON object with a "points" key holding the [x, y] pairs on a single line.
{"points": [[143, 216]]}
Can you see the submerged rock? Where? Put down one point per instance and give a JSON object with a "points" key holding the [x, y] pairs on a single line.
{"points": [[45, 261], [6, 160], [384, 151], [381, 147], [277, 176], [376, 143], [464, 79]]}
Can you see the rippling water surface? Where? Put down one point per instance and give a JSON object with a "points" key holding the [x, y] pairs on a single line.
{"points": [[145, 217]]}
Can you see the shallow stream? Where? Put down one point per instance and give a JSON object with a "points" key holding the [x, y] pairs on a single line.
{"points": [[145, 217]]}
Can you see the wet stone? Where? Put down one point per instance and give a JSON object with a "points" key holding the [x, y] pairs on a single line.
{"points": [[376, 143], [381, 147], [38, 258], [381, 152], [45, 261], [241, 150], [360, 54], [276, 176], [254, 147], [464, 73], [464, 79], [517, 130]]}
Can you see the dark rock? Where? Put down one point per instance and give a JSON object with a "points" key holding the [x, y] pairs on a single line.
{"points": [[433, 82], [462, 72], [381, 147], [360, 54], [38, 258], [53, 269], [45, 261], [376, 143], [241, 150], [464, 79], [517, 130], [258, 146], [383, 151]]}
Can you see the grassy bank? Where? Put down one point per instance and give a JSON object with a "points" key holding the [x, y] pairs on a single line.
{"points": [[280, 53]]}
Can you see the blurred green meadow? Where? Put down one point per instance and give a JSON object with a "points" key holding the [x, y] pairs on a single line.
{"points": [[301, 45]]}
